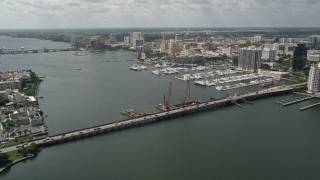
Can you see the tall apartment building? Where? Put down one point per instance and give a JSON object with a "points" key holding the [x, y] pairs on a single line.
{"points": [[127, 40], [257, 38], [299, 57], [314, 78], [269, 54], [175, 47], [178, 37], [315, 41], [137, 39], [250, 59], [112, 39]]}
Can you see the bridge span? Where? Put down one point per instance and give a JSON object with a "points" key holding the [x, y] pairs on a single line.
{"points": [[156, 117], [34, 51]]}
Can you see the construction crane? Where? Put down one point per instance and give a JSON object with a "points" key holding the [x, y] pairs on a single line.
{"points": [[186, 93], [168, 100]]}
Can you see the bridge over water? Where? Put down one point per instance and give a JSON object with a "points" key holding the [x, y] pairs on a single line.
{"points": [[156, 117], [34, 51]]}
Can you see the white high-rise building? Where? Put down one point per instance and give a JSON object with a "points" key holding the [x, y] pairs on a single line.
{"points": [[257, 38], [314, 78], [269, 54], [137, 39], [315, 41], [112, 39]]}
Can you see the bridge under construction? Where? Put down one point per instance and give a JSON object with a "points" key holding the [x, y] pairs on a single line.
{"points": [[157, 117]]}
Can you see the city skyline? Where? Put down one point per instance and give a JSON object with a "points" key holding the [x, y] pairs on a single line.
{"points": [[20, 14]]}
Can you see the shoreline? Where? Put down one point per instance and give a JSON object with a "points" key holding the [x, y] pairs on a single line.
{"points": [[30, 155], [15, 162]]}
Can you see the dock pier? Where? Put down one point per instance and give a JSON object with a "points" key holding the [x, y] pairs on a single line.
{"points": [[310, 106], [294, 100]]}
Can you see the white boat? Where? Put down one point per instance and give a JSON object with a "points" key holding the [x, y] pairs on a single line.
{"points": [[135, 68], [254, 82], [156, 72], [202, 83], [201, 68], [164, 65], [169, 71], [186, 77], [219, 88], [157, 66], [143, 67], [209, 84]]}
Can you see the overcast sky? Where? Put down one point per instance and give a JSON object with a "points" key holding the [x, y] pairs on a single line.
{"points": [[158, 13]]}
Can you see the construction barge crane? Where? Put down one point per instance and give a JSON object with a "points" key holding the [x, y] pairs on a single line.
{"points": [[166, 106]]}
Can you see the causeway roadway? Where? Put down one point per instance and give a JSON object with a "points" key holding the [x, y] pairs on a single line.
{"points": [[152, 118]]}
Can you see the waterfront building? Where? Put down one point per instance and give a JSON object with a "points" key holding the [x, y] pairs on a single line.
{"points": [[136, 39], [7, 76], [299, 57], [127, 41], [250, 59], [175, 47], [112, 39], [10, 84], [97, 42], [315, 41], [164, 47], [76, 40], [286, 40], [17, 97], [27, 115], [269, 54], [101, 40], [288, 48], [274, 74], [4, 95], [314, 78], [151, 47], [257, 38], [314, 57], [178, 37], [147, 47]]}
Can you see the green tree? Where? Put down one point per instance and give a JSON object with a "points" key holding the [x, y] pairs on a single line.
{"points": [[4, 159], [33, 149], [265, 67]]}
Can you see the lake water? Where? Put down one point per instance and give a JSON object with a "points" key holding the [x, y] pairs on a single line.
{"points": [[260, 141]]}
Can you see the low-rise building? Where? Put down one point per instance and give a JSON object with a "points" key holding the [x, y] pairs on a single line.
{"points": [[26, 116], [17, 97], [314, 57], [10, 84], [4, 95], [273, 74]]}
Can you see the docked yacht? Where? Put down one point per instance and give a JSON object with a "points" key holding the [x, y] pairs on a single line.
{"points": [[135, 68], [143, 67], [219, 88], [201, 83], [156, 72], [157, 66], [164, 65], [169, 71]]}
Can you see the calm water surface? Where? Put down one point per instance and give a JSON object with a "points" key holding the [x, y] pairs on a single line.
{"points": [[260, 141]]}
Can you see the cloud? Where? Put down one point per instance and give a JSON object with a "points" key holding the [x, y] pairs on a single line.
{"points": [[155, 13]]}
